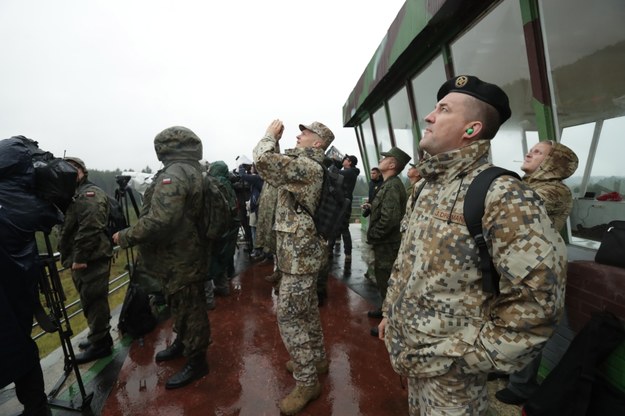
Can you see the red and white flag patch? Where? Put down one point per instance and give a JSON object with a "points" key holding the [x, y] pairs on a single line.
{"points": [[90, 193], [166, 181]]}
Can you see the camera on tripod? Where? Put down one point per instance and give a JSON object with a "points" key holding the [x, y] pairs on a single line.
{"points": [[122, 180]]}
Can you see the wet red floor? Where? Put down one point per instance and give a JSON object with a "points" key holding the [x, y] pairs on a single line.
{"points": [[247, 373]]}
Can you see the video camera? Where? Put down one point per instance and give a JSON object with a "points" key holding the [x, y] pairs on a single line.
{"points": [[122, 180]]}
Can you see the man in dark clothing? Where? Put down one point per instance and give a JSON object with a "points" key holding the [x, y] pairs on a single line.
{"points": [[350, 173], [86, 250], [22, 213], [387, 211], [374, 184]]}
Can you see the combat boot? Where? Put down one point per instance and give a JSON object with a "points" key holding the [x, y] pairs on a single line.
{"points": [[95, 350], [195, 368], [173, 351], [299, 397], [321, 366]]}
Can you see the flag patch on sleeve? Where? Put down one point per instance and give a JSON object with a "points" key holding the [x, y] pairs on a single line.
{"points": [[166, 181]]}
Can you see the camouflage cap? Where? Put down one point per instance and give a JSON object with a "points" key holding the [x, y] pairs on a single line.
{"points": [[77, 161], [483, 91], [320, 129], [402, 157]]}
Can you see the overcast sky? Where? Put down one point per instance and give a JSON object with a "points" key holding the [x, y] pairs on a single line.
{"points": [[99, 79]]}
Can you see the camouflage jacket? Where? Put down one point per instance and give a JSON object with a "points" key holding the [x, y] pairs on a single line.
{"points": [[298, 176], [167, 232], [266, 214], [546, 181], [436, 309], [84, 235], [387, 210]]}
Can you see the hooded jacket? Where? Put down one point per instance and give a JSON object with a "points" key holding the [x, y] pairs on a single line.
{"points": [[167, 231], [437, 312], [547, 179]]}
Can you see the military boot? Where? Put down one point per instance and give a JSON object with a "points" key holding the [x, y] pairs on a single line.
{"points": [[321, 366], [195, 368], [95, 350], [299, 397], [174, 350]]}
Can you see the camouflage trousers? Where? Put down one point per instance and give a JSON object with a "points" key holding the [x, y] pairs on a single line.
{"points": [[300, 326], [92, 285], [384, 257], [188, 308], [451, 394]]}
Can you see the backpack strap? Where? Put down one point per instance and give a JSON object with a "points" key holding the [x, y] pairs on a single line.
{"points": [[473, 213]]}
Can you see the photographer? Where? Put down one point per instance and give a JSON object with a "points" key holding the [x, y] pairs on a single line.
{"points": [[22, 213]]}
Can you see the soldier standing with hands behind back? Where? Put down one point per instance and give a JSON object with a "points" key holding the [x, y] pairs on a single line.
{"points": [[298, 175]]}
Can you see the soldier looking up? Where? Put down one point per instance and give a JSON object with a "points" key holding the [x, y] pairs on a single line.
{"points": [[86, 250], [546, 165], [387, 210], [169, 232], [441, 328], [298, 175]]}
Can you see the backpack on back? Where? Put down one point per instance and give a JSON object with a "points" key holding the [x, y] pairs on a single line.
{"points": [[218, 216], [333, 204], [473, 213]]}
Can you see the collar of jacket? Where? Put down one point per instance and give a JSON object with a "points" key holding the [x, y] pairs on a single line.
{"points": [[448, 165], [315, 153]]}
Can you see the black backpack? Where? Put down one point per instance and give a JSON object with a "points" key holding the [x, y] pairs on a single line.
{"points": [[136, 318], [473, 212], [333, 205], [575, 387], [116, 219], [219, 214]]}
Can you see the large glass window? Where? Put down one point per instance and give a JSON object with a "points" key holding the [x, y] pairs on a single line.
{"points": [[425, 86], [401, 122], [494, 50], [367, 138], [586, 63], [381, 130]]}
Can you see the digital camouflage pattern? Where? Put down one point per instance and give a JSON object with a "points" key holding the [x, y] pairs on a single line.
{"points": [[546, 181], [300, 252], [387, 209], [167, 230], [84, 239], [300, 325], [171, 247], [436, 309], [265, 217], [298, 176]]}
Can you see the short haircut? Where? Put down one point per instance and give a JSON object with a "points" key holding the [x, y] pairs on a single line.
{"points": [[484, 112]]}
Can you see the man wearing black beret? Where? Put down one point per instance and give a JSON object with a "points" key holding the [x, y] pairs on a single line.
{"points": [[443, 329]]}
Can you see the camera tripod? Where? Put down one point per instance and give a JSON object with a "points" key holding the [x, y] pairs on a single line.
{"points": [[123, 193], [58, 321]]}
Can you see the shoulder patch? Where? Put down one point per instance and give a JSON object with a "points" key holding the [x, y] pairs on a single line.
{"points": [[166, 181], [90, 193]]}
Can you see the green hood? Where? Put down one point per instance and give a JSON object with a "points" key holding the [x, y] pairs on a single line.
{"points": [[177, 143]]}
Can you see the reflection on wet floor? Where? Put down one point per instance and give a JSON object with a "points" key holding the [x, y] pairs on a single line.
{"points": [[247, 362]]}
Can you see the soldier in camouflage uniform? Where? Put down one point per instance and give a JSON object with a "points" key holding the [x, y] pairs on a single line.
{"points": [[169, 230], [86, 250], [298, 175], [546, 165], [387, 210], [442, 330]]}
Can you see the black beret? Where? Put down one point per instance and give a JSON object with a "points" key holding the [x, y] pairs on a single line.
{"points": [[483, 91]]}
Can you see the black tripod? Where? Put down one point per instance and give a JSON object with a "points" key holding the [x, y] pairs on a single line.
{"points": [[58, 321], [123, 193]]}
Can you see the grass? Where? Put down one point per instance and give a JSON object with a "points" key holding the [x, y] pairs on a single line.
{"points": [[51, 341]]}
